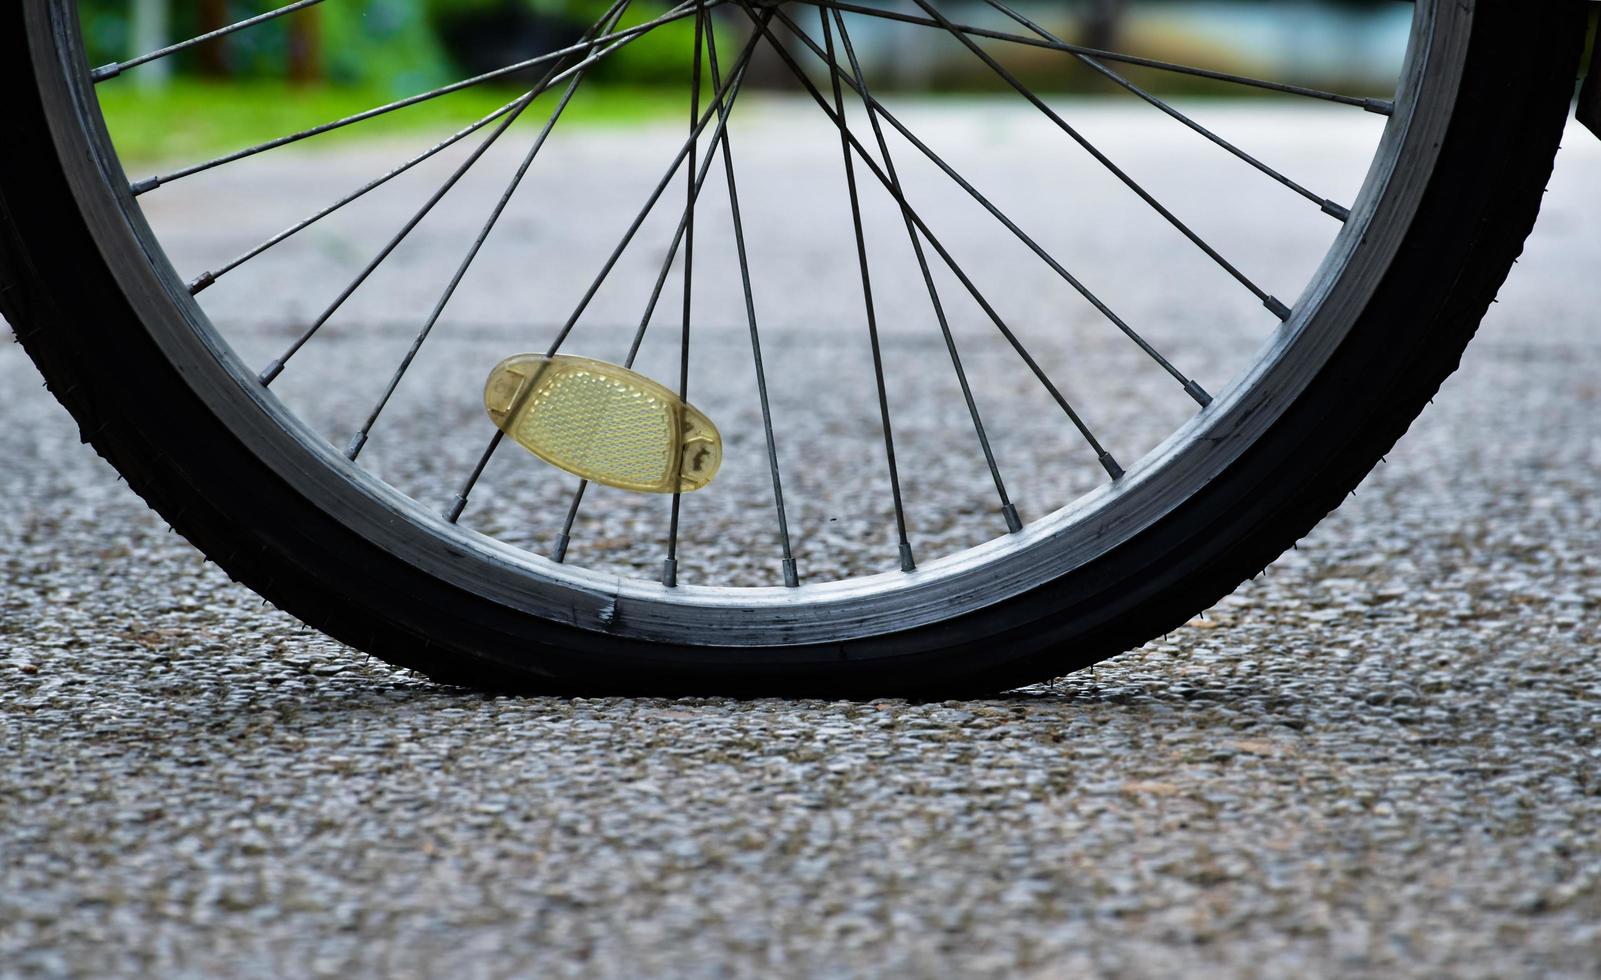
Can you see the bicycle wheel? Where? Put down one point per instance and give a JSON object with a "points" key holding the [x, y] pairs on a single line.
{"points": [[938, 583]]}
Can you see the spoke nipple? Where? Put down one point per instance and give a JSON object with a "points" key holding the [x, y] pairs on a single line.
{"points": [[271, 372], [907, 564], [1336, 211], [560, 553], [356, 444], [106, 71], [1383, 107], [1111, 466], [670, 572], [141, 186], [791, 577], [1197, 392], [200, 283], [457, 505], [1277, 307], [1014, 523]]}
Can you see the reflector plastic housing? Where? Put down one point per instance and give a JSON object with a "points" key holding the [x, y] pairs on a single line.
{"points": [[602, 422]]}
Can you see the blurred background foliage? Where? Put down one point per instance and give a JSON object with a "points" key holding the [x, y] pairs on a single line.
{"points": [[342, 56], [404, 45]]}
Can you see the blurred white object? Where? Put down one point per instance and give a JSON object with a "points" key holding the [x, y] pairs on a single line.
{"points": [[149, 28]]}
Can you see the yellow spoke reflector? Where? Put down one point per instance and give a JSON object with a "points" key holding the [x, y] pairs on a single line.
{"points": [[603, 422]]}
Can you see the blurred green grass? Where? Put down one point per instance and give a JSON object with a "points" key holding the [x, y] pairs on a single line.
{"points": [[189, 118]]}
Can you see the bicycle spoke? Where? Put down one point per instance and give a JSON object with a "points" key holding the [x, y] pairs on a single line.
{"points": [[360, 439], [1102, 455], [719, 136], [210, 277], [730, 85], [613, 41], [114, 69], [702, 33], [726, 90], [459, 502], [559, 553], [908, 562], [1383, 107], [1273, 304], [1008, 509], [696, 178], [1190, 386], [791, 576], [275, 368], [1327, 205]]}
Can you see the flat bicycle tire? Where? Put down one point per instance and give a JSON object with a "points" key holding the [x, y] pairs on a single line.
{"points": [[83, 327]]}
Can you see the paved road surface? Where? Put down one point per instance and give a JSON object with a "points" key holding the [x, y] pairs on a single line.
{"points": [[1382, 757]]}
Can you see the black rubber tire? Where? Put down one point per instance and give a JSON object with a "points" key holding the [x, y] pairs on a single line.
{"points": [[80, 330]]}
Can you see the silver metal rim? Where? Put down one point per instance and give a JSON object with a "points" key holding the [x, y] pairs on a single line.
{"points": [[694, 615]]}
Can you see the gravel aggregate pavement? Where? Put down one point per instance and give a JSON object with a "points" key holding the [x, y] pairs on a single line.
{"points": [[1381, 757]]}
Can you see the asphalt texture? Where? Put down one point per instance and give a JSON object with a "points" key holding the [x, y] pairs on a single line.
{"points": [[1382, 757]]}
